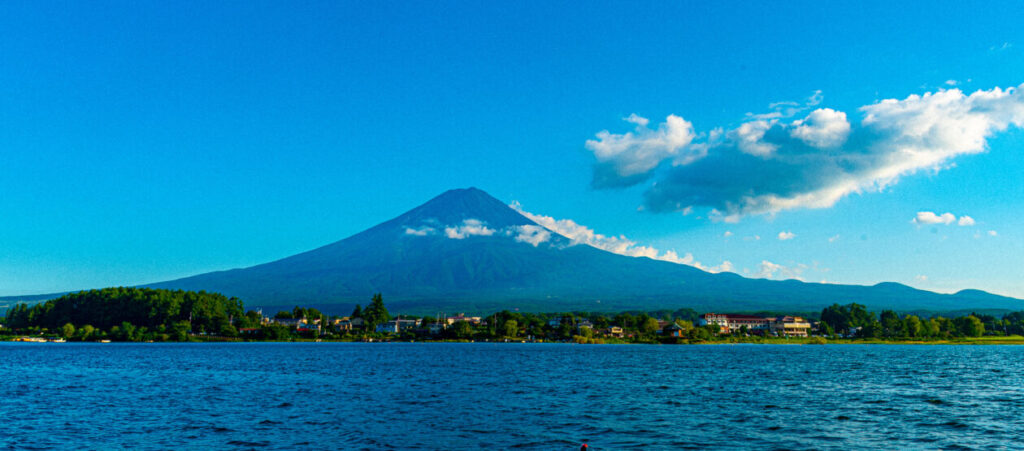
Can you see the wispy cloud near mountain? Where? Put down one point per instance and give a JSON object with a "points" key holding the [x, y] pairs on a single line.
{"points": [[581, 234], [770, 163]]}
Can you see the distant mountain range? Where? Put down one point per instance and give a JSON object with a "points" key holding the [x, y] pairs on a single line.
{"points": [[465, 251]]}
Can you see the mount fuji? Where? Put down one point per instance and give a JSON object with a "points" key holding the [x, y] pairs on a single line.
{"points": [[465, 251]]}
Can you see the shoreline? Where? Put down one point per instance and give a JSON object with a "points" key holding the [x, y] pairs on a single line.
{"points": [[981, 341]]}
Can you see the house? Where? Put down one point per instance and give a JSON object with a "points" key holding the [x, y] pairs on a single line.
{"points": [[347, 324], [436, 328], [290, 322], [615, 331], [300, 324], [675, 330], [474, 320], [729, 323], [584, 323], [790, 326], [398, 325]]}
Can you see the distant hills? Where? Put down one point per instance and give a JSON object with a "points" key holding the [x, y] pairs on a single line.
{"points": [[465, 251]]}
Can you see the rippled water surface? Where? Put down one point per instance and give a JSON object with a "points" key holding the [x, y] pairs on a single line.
{"points": [[497, 396]]}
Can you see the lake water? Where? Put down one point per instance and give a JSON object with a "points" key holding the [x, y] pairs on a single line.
{"points": [[498, 396]]}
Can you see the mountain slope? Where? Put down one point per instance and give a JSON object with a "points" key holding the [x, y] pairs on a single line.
{"points": [[466, 251]]}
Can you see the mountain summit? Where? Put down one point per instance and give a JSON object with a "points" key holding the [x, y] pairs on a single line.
{"points": [[457, 205], [467, 251]]}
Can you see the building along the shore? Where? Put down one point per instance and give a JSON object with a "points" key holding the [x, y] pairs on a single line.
{"points": [[783, 326]]}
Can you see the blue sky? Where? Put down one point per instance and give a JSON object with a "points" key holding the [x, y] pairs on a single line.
{"points": [[146, 141]]}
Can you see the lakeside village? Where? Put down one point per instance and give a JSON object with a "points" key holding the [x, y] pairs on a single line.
{"points": [[561, 327], [142, 314]]}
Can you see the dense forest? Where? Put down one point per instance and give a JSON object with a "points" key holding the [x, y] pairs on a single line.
{"points": [[131, 314], [854, 320]]}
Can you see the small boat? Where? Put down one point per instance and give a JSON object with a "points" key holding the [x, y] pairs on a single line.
{"points": [[104, 341]]}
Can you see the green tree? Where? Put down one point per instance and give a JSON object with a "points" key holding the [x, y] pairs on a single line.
{"points": [[873, 329], [947, 327], [625, 321], [913, 326], [970, 326], [891, 323], [180, 330], [586, 332], [68, 330], [826, 329], [844, 318], [85, 332], [930, 328], [375, 313], [649, 326], [227, 330], [462, 329], [128, 332], [276, 332], [511, 328]]}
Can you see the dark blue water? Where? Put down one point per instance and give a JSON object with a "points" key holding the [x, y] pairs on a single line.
{"points": [[498, 396]]}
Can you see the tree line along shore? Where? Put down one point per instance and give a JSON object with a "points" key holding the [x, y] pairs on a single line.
{"points": [[143, 314]]}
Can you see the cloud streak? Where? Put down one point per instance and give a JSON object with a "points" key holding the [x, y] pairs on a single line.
{"points": [[931, 218], [531, 234], [420, 231], [769, 270], [468, 228], [770, 163], [581, 234]]}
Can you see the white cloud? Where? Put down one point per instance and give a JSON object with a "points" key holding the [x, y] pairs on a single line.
{"points": [[783, 236], [726, 266], [833, 238], [769, 270], [580, 234], [824, 128], [749, 138], [469, 227], [421, 231], [637, 153], [927, 217], [931, 218], [921, 278], [1000, 48], [766, 165], [531, 234], [727, 234], [952, 82], [992, 233], [639, 121], [787, 109]]}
